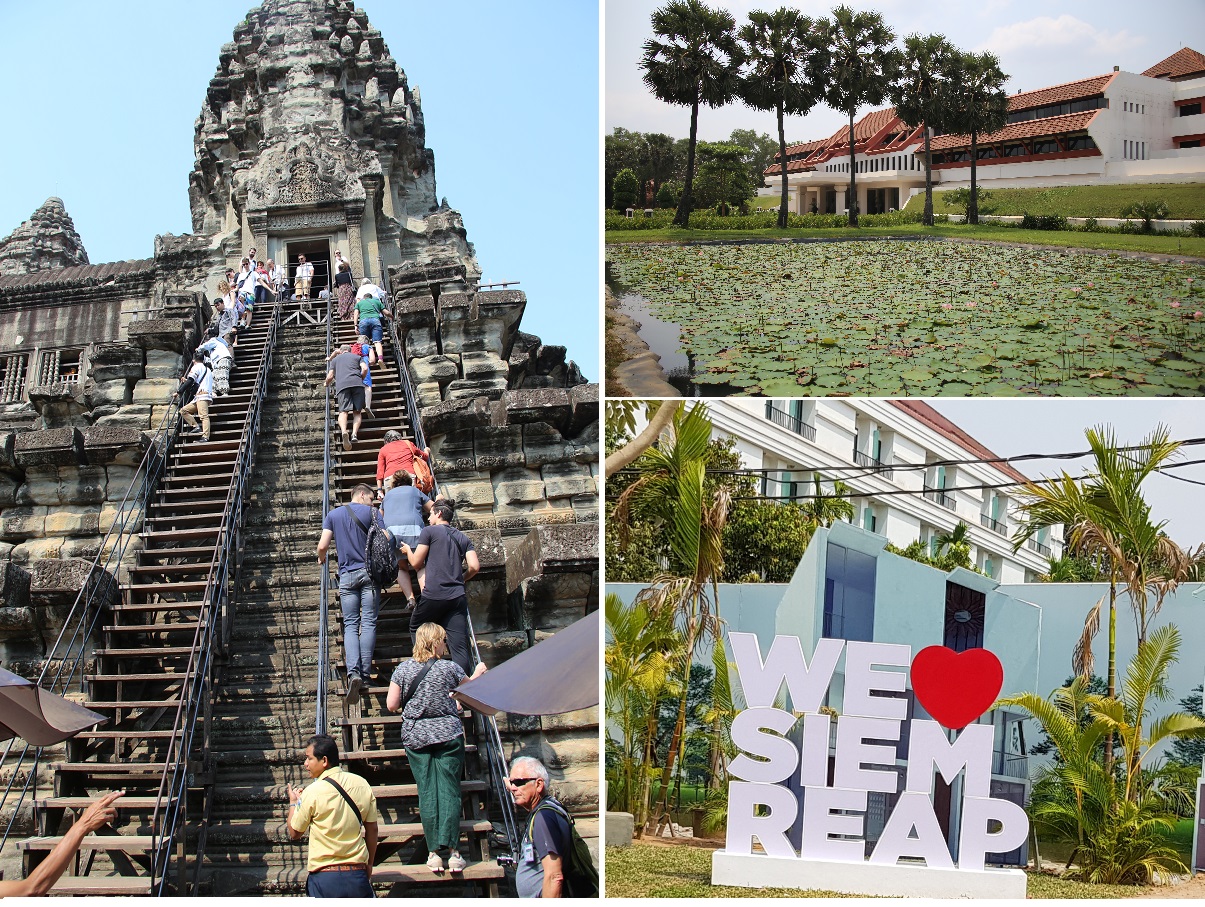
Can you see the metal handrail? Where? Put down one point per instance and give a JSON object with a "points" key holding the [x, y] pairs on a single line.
{"points": [[85, 611], [197, 676], [320, 719], [495, 755]]}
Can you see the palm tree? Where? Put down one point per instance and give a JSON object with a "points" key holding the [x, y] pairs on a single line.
{"points": [[862, 65], [976, 105], [786, 59], [694, 59], [919, 95], [670, 491], [825, 509], [643, 651], [1107, 520]]}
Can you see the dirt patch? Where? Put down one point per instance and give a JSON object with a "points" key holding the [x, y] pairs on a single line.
{"points": [[632, 370]]}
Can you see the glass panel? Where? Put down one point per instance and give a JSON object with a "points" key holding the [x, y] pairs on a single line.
{"points": [[849, 583]]}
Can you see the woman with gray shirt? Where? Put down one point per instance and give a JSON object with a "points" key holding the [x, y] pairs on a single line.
{"points": [[433, 735]]}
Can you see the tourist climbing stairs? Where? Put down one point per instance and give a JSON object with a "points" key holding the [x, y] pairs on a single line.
{"points": [[370, 737], [159, 649]]}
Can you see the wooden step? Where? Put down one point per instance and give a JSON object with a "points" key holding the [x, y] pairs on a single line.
{"points": [[159, 606], [128, 802], [407, 830], [152, 628], [102, 886], [146, 652], [115, 678], [126, 734], [377, 755], [164, 588], [122, 843], [108, 704], [393, 871]]}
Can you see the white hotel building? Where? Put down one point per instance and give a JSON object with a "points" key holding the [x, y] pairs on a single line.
{"points": [[880, 448], [1121, 127]]}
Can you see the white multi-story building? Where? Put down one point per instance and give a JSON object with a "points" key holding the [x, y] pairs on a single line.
{"points": [[1121, 127], [899, 458]]}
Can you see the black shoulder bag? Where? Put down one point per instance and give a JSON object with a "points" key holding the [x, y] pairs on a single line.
{"points": [[350, 802]]}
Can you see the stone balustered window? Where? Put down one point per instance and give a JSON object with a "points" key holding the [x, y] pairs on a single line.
{"points": [[12, 377], [60, 367]]}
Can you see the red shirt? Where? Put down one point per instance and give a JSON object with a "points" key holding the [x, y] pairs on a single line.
{"points": [[397, 455]]}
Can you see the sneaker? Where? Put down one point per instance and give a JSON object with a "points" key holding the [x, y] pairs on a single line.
{"points": [[346, 441], [195, 430], [205, 438], [354, 686], [355, 439], [456, 863], [436, 863], [368, 413]]}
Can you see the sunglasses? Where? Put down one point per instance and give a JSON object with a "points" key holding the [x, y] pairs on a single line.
{"points": [[519, 782]]}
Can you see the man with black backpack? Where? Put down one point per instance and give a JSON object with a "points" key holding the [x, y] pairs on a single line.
{"points": [[554, 861], [359, 593], [340, 813]]}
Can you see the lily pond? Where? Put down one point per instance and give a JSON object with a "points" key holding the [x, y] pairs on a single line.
{"points": [[918, 318]]}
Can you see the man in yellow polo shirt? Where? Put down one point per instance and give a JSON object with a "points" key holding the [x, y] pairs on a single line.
{"points": [[340, 813]]}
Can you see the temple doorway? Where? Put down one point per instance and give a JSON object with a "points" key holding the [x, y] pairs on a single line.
{"points": [[318, 253]]}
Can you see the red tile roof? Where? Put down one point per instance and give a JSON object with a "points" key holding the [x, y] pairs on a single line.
{"points": [[1024, 130], [865, 128], [74, 276], [1057, 94], [927, 415], [1183, 64]]}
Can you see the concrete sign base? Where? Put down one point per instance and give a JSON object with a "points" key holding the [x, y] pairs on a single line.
{"points": [[872, 879]]}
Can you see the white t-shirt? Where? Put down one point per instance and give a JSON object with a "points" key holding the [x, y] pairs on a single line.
{"points": [[204, 378], [247, 283], [369, 289], [305, 270]]}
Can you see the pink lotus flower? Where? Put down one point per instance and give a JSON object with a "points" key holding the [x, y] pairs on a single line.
{"points": [[971, 304], [1175, 305], [1197, 315], [994, 284], [946, 305], [1091, 285]]}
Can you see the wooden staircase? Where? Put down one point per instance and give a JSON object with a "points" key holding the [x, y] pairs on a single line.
{"points": [[145, 671], [369, 735]]}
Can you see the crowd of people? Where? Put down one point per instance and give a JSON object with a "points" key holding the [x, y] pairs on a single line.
{"points": [[341, 815]]}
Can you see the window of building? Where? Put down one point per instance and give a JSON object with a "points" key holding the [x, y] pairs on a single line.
{"points": [[1190, 110], [60, 367], [849, 587], [986, 153], [793, 415], [1014, 150], [1046, 146], [12, 377], [965, 616], [1191, 143], [1080, 143]]}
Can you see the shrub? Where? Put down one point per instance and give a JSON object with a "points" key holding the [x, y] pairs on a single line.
{"points": [[961, 198], [1043, 222], [624, 189], [1090, 225], [1197, 228], [1147, 211], [1128, 226], [892, 219], [667, 196]]}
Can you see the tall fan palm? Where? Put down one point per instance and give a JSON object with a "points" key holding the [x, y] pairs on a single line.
{"points": [[976, 105], [919, 95], [1107, 519], [786, 59], [694, 59], [671, 492], [862, 65]]}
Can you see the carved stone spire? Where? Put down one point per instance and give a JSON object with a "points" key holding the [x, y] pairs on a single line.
{"points": [[47, 240]]}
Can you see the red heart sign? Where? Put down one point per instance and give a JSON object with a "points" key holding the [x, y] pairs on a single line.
{"points": [[956, 687]]}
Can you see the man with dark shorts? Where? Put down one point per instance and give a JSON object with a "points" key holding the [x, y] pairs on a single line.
{"points": [[441, 548], [347, 371], [540, 870]]}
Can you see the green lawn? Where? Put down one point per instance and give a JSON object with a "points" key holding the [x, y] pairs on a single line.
{"points": [[650, 870], [1155, 243], [1186, 200]]}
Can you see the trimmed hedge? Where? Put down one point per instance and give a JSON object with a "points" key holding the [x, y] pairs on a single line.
{"points": [[764, 220]]}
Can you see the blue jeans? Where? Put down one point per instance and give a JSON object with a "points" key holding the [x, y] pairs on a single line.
{"points": [[350, 884], [360, 601], [371, 328]]}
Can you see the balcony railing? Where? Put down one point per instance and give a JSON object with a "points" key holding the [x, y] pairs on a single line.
{"points": [[12, 377], [1035, 545], [1010, 765], [791, 422], [939, 497], [994, 525], [865, 459]]}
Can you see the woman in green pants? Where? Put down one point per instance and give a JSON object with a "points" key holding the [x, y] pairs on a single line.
{"points": [[433, 736]]}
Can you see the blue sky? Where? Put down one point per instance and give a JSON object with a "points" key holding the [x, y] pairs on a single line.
{"points": [[1039, 43], [100, 99]]}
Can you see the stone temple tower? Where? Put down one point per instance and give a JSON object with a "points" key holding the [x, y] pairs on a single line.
{"points": [[309, 128], [310, 141]]}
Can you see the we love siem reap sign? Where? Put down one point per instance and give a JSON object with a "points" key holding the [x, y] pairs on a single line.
{"points": [[911, 856]]}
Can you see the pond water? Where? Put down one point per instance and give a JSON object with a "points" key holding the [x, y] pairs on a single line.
{"points": [[917, 318]]}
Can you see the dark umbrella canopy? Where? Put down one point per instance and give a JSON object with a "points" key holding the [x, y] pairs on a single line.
{"points": [[557, 675], [38, 717]]}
